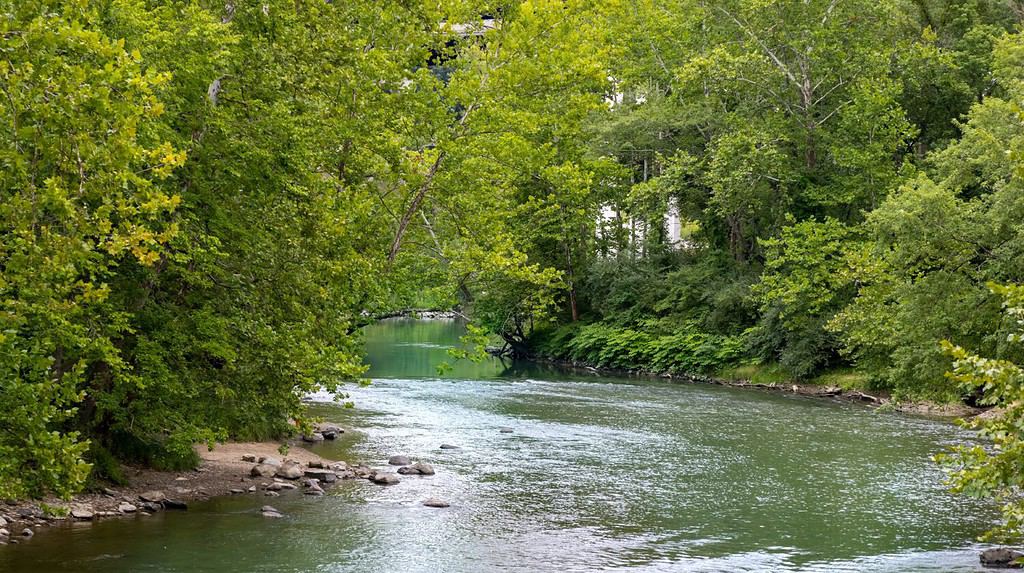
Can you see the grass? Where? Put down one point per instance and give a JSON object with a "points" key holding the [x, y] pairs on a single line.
{"points": [[846, 378], [757, 373]]}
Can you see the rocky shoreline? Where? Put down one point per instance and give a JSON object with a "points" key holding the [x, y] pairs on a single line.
{"points": [[234, 468]]}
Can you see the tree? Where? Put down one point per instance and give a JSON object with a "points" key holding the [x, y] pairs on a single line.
{"points": [[993, 470]]}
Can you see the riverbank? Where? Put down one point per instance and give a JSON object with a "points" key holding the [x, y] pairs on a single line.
{"points": [[233, 468], [879, 400]]}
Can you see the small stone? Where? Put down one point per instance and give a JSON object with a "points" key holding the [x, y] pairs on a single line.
{"points": [[435, 502], [27, 532], [339, 466], [274, 487], [175, 504], [252, 489], [235, 491], [316, 464], [449, 447], [274, 514], [288, 486], [110, 492], [1001, 558], [181, 478], [4, 533], [269, 460], [399, 461], [271, 493], [3, 522], [384, 478], [152, 496], [127, 508], [250, 458], [505, 430]]}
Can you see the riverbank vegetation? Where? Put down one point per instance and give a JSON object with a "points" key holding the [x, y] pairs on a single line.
{"points": [[203, 201]]}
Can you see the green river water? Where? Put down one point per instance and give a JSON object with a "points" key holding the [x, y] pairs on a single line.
{"points": [[599, 474]]}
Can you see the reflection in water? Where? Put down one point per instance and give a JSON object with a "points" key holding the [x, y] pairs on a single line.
{"points": [[598, 474]]}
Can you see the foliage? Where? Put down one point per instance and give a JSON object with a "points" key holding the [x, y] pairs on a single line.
{"points": [[993, 470], [685, 351]]}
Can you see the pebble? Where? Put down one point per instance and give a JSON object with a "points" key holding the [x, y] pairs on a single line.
{"points": [[435, 502]]}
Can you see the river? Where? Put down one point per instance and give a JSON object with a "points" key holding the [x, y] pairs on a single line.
{"points": [[598, 474]]}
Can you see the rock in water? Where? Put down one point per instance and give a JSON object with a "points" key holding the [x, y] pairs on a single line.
{"points": [[505, 430], [399, 460], [27, 532], [270, 511], [313, 438], [449, 447], [175, 504], [423, 468], [434, 502], [152, 496], [384, 478], [329, 435], [1001, 558], [418, 468]]}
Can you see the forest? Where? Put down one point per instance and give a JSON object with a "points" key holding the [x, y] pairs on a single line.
{"points": [[203, 202]]}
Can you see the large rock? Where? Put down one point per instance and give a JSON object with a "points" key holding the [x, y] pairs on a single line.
{"points": [[329, 435], [150, 507], [270, 460], [418, 468], [263, 470], [290, 470], [1001, 558], [83, 512], [435, 502], [384, 478], [175, 504], [325, 476], [152, 496], [313, 438], [399, 460]]}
